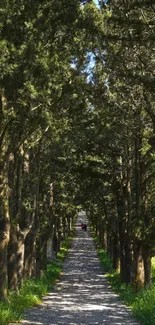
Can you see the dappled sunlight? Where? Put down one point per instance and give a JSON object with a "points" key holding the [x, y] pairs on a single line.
{"points": [[83, 295], [35, 323]]}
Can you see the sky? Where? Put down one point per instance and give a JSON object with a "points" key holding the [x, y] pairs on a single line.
{"points": [[91, 55], [96, 1]]}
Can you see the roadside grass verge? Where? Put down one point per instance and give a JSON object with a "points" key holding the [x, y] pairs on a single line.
{"points": [[33, 290], [141, 303]]}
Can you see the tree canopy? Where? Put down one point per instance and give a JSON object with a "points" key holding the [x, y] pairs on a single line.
{"points": [[77, 129]]}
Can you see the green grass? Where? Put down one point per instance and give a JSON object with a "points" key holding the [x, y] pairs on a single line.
{"points": [[142, 303], [144, 306], [33, 290]]}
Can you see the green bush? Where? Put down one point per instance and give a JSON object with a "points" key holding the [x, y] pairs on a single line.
{"points": [[105, 261], [144, 306]]}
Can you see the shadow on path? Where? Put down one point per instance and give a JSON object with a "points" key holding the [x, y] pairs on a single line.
{"points": [[83, 295]]}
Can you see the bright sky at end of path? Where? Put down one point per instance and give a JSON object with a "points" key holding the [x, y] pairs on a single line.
{"points": [[96, 2]]}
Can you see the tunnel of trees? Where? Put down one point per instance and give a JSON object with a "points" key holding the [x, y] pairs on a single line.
{"points": [[77, 128]]}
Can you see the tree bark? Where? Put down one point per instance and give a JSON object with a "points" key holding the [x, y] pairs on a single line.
{"points": [[138, 267], [4, 227], [30, 255], [116, 252], [102, 233], [12, 259], [20, 256], [41, 257], [122, 259], [128, 260], [4, 239], [147, 266]]}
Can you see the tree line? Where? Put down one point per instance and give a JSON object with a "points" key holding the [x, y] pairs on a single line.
{"points": [[40, 96], [76, 129], [122, 209]]}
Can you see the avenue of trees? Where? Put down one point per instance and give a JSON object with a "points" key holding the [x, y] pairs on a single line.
{"points": [[77, 129]]}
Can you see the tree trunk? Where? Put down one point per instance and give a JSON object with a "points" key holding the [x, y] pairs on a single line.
{"points": [[4, 228], [43, 256], [109, 248], [125, 257], [12, 259], [30, 255], [122, 261], [147, 266], [69, 224], [55, 244], [50, 249], [121, 208], [64, 226], [3, 267], [4, 238], [138, 267], [128, 260], [102, 233], [20, 256], [128, 197], [116, 251]]}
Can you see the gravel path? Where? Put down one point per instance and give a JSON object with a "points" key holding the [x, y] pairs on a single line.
{"points": [[82, 296]]}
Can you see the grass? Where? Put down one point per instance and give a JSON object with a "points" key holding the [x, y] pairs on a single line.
{"points": [[33, 290], [142, 303]]}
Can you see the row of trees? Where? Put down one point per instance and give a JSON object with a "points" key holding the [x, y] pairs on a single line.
{"points": [[76, 127], [123, 209], [41, 96]]}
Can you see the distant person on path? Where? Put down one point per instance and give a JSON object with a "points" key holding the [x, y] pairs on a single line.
{"points": [[84, 226]]}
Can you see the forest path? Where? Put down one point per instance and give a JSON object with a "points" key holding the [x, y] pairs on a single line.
{"points": [[83, 295]]}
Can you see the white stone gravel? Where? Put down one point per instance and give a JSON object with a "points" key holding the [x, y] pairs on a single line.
{"points": [[83, 295]]}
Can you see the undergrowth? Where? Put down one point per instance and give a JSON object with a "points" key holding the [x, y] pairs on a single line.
{"points": [[142, 303], [33, 290]]}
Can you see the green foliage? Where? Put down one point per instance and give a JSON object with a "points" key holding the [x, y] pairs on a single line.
{"points": [[64, 249], [78, 125], [105, 261], [144, 306], [30, 295], [33, 290], [142, 303], [126, 292]]}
